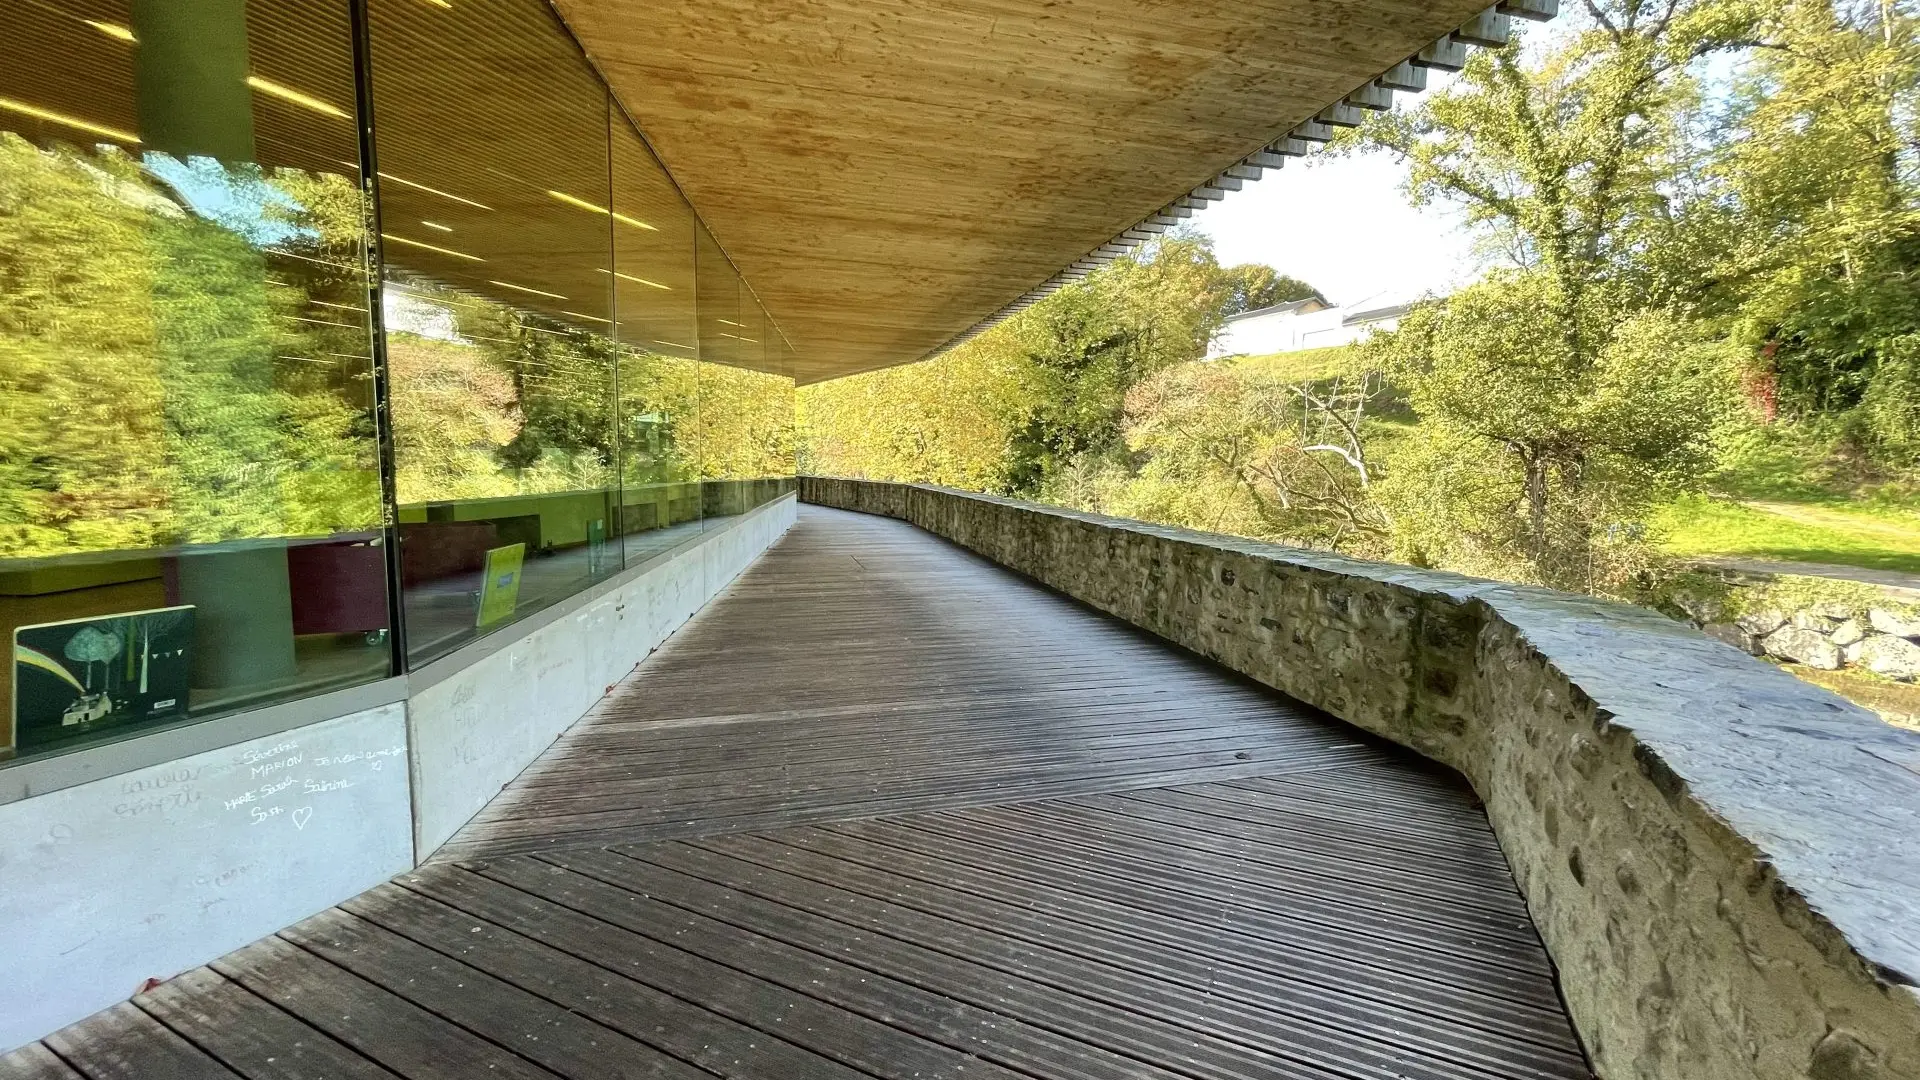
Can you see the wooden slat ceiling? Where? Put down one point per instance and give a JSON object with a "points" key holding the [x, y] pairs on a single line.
{"points": [[887, 172]]}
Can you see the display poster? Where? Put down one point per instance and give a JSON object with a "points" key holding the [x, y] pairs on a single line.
{"points": [[597, 562], [500, 588], [82, 675]]}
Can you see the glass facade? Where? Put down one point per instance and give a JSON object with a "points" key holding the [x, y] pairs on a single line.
{"points": [[336, 334]]}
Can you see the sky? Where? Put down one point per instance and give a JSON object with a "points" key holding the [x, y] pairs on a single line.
{"points": [[1342, 225]]}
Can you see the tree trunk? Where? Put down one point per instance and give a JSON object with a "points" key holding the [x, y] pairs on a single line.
{"points": [[1537, 509]]}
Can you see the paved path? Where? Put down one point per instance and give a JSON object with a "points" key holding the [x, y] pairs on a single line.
{"points": [[1890, 579]]}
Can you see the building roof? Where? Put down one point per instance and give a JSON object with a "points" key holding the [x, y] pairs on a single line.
{"points": [[1377, 314], [1316, 302]]}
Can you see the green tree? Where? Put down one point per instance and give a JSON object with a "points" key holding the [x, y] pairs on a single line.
{"points": [[1817, 160], [1036, 406], [1533, 463], [1257, 285], [946, 421], [1088, 344], [1235, 448], [1559, 398]]}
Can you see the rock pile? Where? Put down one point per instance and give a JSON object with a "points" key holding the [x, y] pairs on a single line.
{"points": [[1885, 641]]}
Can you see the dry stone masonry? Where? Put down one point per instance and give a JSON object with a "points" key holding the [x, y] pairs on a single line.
{"points": [[1829, 636], [1723, 860]]}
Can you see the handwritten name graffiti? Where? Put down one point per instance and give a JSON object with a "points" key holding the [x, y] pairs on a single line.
{"points": [[374, 758], [268, 768], [180, 799], [252, 757], [282, 780], [291, 775]]}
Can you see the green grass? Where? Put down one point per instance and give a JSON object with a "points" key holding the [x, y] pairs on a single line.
{"points": [[1307, 365], [1797, 493], [1820, 532]]}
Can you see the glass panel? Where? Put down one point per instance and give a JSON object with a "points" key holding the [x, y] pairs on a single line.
{"points": [[189, 498], [497, 226], [654, 291], [746, 412]]}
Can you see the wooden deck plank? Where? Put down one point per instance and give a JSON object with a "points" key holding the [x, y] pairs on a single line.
{"points": [[35, 1062], [876, 628], [1350, 900], [462, 916], [123, 1043], [1311, 854], [1459, 950], [1205, 931], [1291, 923], [989, 1035], [255, 1039], [409, 1040], [856, 1041], [1120, 1030], [1215, 807], [883, 810], [539, 1030], [1322, 1010], [1185, 998]]}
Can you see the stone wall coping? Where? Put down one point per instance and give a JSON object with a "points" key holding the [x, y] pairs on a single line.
{"points": [[1824, 794]]}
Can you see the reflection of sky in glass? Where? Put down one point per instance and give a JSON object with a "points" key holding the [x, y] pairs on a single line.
{"points": [[238, 199], [404, 314]]}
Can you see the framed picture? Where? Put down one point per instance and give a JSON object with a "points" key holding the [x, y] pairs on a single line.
{"points": [[500, 587], [82, 675]]}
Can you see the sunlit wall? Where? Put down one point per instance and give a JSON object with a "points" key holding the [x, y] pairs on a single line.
{"points": [[335, 334]]}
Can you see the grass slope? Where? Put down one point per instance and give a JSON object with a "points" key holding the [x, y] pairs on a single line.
{"points": [[1306, 365], [1797, 495], [1794, 532]]}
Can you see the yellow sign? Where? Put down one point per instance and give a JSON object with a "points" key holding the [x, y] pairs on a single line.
{"points": [[500, 590]]}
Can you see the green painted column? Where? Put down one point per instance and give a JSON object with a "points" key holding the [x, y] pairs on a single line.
{"points": [[243, 614], [190, 79]]}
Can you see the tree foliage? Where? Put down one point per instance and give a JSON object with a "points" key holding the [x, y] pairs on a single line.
{"points": [[1251, 286], [1817, 268], [1238, 449], [1035, 405], [145, 398], [1654, 250]]}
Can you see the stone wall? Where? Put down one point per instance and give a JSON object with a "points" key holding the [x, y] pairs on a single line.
{"points": [[1723, 861]]}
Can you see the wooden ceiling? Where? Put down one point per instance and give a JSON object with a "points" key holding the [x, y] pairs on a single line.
{"points": [[887, 172]]}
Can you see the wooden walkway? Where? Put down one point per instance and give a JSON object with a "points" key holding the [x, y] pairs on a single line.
{"points": [[884, 810]]}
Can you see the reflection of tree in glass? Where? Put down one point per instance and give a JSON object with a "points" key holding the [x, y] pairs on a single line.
{"points": [[659, 417], [509, 403], [745, 424], [516, 404], [164, 380]]}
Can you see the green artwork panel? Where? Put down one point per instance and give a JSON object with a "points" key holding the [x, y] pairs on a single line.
{"points": [[77, 677]]}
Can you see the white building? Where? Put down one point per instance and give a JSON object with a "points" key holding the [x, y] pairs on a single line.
{"points": [[1304, 324]]}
